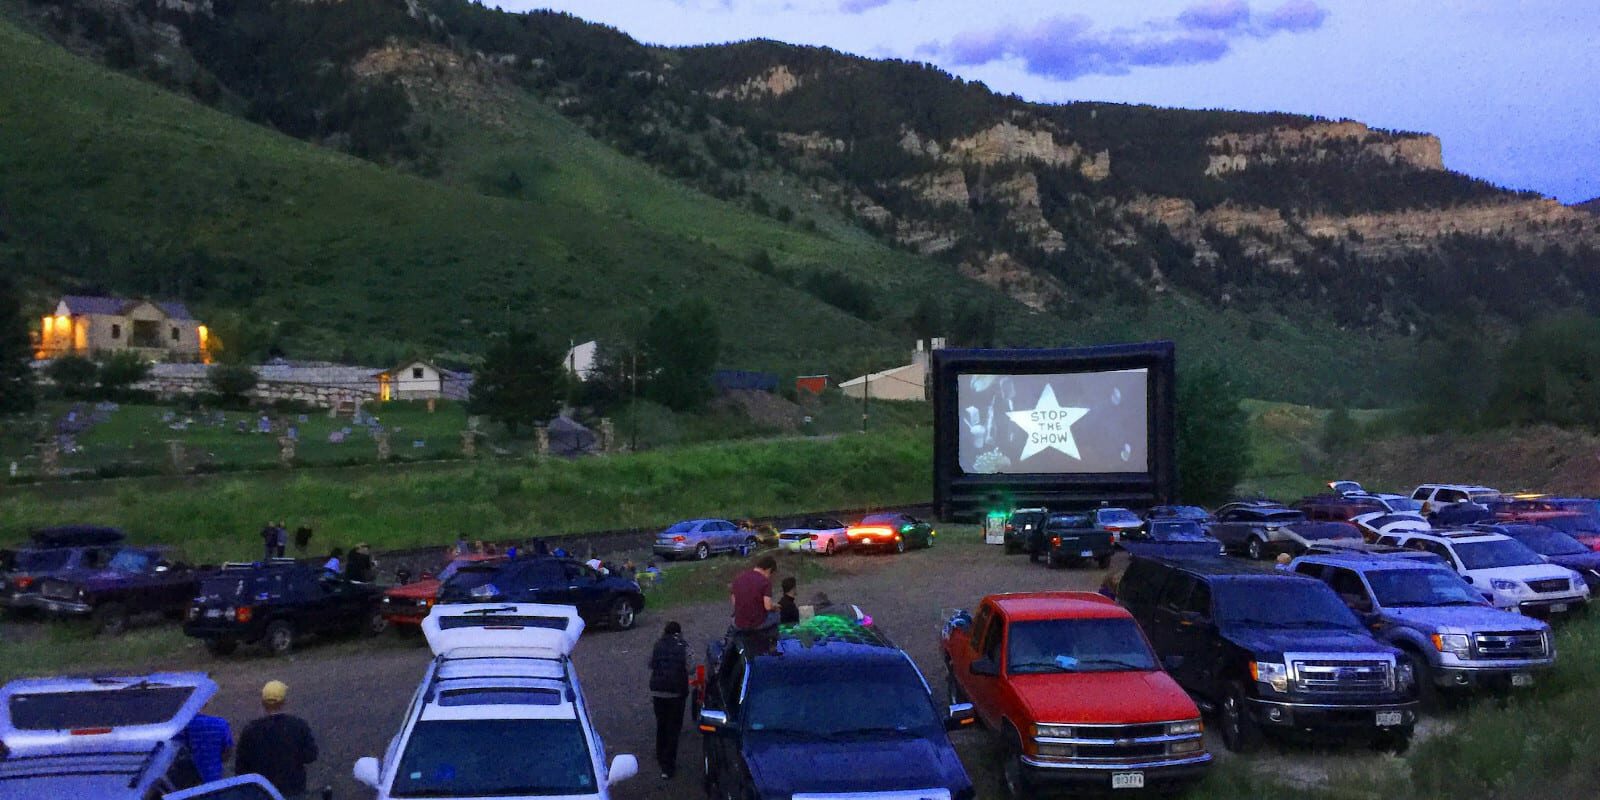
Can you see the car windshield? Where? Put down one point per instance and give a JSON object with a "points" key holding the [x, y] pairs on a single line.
{"points": [[1398, 588], [1281, 517], [1547, 542], [1118, 516], [1404, 504], [1495, 553], [41, 560], [682, 527], [130, 561], [1180, 531], [1069, 521], [467, 578], [1588, 508], [836, 700], [495, 757], [1077, 645], [1281, 603], [455, 566], [1567, 523], [882, 519], [1484, 496], [1322, 531]]}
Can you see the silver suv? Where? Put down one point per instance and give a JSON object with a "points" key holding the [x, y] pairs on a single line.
{"points": [[499, 713]]}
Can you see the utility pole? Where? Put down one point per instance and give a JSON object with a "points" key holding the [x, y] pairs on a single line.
{"points": [[866, 392]]}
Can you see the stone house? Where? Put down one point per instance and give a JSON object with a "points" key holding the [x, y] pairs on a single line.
{"points": [[88, 326]]}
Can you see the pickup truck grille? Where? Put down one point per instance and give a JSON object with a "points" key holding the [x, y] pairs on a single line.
{"points": [[58, 590], [1343, 677], [1517, 644], [1111, 745], [1550, 585]]}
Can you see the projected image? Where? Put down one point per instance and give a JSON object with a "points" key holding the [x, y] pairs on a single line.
{"points": [[1088, 422]]}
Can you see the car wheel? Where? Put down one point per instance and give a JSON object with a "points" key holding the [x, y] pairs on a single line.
{"points": [[221, 647], [279, 637], [702, 551], [623, 614], [1013, 773], [1428, 694], [900, 545], [111, 619], [1240, 733], [829, 548], [375, 624], [1254, 549]]}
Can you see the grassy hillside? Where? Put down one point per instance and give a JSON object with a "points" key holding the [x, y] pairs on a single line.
{"points": [[135, 189]]}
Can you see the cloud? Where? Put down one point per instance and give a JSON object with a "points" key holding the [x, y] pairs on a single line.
{"points": [[1069, 47], [858, 6]]}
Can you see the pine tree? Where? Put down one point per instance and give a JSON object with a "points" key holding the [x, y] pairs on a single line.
{"points": [[16, 369], [522, 381]]}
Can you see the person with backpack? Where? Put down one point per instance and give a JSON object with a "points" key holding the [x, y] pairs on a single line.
{"points": [[669, 693]]}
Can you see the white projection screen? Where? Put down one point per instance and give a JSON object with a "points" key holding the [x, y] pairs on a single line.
{"points": [[1066, 423]]}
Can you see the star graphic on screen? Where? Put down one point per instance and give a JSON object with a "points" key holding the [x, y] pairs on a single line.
{"points": [[1048, 425]]}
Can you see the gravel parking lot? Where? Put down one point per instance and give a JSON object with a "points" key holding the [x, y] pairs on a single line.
{"points": [[354, 693]]}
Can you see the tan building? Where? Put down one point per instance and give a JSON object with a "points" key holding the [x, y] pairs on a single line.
{"points": [[87, 326], [909, 382], [421, 380]]}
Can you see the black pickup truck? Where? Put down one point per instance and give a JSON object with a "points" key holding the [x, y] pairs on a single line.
{"points": [[1270, 650], [134, 581]]}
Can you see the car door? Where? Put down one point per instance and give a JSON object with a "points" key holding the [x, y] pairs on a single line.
{"points": [[987, 647], [1230, 526], [1193, 638], [1166, 612], [725, 749], [1351, 590], [584, 591]]}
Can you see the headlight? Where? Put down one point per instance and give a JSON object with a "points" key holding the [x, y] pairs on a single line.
{"points": [[1455, 643], [1509, 587], [1274, 675], [1577, 583], [1054, 750], [1407, 675], [1181, 728], [1052, 731], [1186, 746]]}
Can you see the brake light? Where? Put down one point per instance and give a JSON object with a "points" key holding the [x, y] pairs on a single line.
{"points": [[815, 537], [680, 538], [871, 530], [90, 731], [1055, 541], [24, 582], [243, 613]]}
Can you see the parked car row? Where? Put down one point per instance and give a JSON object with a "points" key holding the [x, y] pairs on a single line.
{"points": [[700, 539]]}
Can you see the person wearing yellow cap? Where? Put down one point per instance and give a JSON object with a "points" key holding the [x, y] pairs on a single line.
{"points": [[277, 746]]}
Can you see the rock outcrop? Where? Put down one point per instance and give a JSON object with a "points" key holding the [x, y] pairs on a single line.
{"points": [[1026, 286], [775, 82], [1231, 152]]}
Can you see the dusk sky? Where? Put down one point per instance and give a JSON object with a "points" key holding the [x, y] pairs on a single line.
{"points": [[1512, 88]]}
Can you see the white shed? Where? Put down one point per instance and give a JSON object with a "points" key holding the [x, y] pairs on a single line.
{"points": [[416, 380]]}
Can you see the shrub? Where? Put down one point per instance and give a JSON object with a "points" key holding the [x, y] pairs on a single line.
{"points": [[73, 376], [121, 371], [232, 381]]}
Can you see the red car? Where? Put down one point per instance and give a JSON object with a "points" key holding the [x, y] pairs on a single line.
{"points": [[1076, 694], [410, 603]]}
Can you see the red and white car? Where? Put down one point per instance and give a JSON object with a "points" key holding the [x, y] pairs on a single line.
{"points": [[824, 535]]}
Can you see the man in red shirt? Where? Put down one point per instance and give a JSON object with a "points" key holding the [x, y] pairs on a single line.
{"points": [[751, 595]]}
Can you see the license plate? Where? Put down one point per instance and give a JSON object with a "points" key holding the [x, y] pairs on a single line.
{"points": [[1558, 608], [1127, 780], [213, 613], [1090, 554], [1521, 679], [1389, 719]]}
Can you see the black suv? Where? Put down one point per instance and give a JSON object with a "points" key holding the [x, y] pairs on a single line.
{"points": [[600, 598], [1075, 538], [134, 581], [50, 552], [826, 707], [1024, 531], [1270, 650], [277, 602]]}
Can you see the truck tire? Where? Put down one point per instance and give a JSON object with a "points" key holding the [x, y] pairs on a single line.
{"points": [[221, 647], [1013, 773], [1428, 694], [374, 624], [1255, 549], [279, 637], [1240, 733], [110, 619]]}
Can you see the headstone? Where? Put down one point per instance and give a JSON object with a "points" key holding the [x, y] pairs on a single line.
{"points": [[431, 403], [544, 439], [608, 433], [50, 459], [383, 444], [286, 445], [175, 460], [469, 443]]}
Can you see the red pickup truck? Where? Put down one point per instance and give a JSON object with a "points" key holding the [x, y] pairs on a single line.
{"points": [[1073, 689]]}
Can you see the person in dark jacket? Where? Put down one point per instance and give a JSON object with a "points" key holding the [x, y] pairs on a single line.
{"points": [[788, 611], [359, 566], [669, 693], [277, 746]]}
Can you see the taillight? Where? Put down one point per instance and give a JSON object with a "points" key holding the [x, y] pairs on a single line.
{"points": [[816, 537], [1055, 541], [243, 613], [680, 538], [1010, 527], [90, 731], [23, 582]]}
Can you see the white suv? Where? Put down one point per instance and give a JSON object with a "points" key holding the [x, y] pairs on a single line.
{"points": [[499, 713], [1503, 569], [1434, 496]]}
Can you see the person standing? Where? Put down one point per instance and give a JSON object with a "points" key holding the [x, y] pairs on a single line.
{"points": [[277, 746], [210, 742], [751, 596], [359, 565], [269, 541], [280, 538], [302, 537], [669, 693]]}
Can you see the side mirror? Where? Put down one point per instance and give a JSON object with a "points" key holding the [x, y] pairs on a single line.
{"points": [[1172, 663], [961, 715], [713, 721], [368, 772], [1467, 578], [622, 768], [985, 667]]}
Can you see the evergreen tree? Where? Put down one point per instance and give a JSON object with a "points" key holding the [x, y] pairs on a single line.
{"points": [[1213, 435], [16, 370], [120, 371], [681, 345], [74, 376], [522, 381]]}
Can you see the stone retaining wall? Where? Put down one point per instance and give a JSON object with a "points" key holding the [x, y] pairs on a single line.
{"points": [[170, 387]]}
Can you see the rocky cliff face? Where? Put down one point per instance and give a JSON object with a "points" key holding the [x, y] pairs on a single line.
{"points": [[1232, 152]]}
